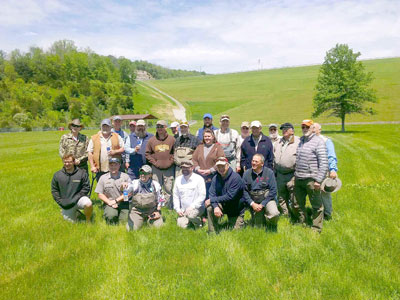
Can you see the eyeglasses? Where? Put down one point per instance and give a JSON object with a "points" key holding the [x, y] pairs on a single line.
{"points": [[159, 126], [245, 128], [305, 127], [272, 129]]}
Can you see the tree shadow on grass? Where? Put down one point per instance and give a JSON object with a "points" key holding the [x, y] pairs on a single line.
{"points": [[346, 132]]}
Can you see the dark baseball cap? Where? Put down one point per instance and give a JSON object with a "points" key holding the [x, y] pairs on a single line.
{"points": [[286, 126]]}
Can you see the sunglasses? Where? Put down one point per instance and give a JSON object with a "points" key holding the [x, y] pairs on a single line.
{"points": [[76, 126], [245, 128], [305, 127], [144, 173], [159, 126]]}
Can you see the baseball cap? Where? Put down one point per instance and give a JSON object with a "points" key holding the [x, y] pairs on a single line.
{"points": [[245, 124], [161, 122], [256, 124], [286, 126], [146, 169], [132, 123], [114, 160], [187, 163], [117, 118], [184, 124], [224, 117], [307, 122], [222, 161], [141, 122], [272, 125], [106, 122], [207, 116], [174, 124]]}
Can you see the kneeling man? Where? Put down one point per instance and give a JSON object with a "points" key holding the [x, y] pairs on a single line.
{"points": [[189, 194], [110, 188], [146, 200], [226, 193], [260, 193], [70, 187]]}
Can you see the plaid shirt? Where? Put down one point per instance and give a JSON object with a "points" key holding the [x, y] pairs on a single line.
{"points": [[189, 141]]}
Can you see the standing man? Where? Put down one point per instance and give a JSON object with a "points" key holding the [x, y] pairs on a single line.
{"points": [[160, 154], [117, 122], [70, 188], [244, 133], [285, 164], [185, 144], [135, 149], [332, 168], [174, 129], [273, 133], [311, 169], [226, 197], [75, 143], [207, 120], [228, 139], [189, 196], [132, 126], [102, 146], [257, 142], [260, 193], [109, 189]]}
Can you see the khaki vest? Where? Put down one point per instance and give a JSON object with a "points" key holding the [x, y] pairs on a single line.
{"points": [[97, 147]]}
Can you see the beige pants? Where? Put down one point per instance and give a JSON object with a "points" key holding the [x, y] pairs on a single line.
{"points": [[138, 216], [268, 215], [192, 216], [166, 179]]}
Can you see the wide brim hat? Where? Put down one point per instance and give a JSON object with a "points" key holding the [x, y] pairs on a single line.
{"points": [[76, 122], [331, 185]]}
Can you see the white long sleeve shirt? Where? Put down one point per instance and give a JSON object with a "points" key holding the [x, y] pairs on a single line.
{"points": [[189, 193]]}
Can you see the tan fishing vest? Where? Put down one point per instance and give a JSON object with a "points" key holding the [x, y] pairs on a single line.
{"points": [[97, 147]]}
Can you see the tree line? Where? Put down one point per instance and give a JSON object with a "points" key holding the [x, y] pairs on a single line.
{"points": [[48, 88]]}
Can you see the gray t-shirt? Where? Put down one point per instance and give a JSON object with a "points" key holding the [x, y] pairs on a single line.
{"points": [[111, 187]]}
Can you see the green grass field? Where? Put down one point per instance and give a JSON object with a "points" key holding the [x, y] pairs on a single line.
{"points": [[357, 256], [279, 95]]}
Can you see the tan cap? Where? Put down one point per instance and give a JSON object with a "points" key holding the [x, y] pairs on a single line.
{"points": [[224, 117], [256, 124], [146, 169], [162, 122], [141, 122], [245, 124], [187, 163]]}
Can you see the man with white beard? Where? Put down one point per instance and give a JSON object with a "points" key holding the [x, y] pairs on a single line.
{"points": [[273, 133], [102, 146], [135, 148]]}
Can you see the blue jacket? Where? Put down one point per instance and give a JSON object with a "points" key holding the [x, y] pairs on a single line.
{"points": [[136, 160], [263, 181], [201, 130], [248, 149], [228, 192], [332, 159]]}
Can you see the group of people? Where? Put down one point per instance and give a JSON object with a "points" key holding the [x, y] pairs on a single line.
{"points": [[202, 177]]}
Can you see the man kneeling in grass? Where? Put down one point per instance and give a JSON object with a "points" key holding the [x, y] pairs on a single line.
{"points": [[146, 200], [226, 197], [70, 187], [260, 193], [109, 189], [189, 194]]}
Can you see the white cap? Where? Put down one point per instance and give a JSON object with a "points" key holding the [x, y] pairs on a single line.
{"points": [[256, 124], [174, 124], [273, 125]]}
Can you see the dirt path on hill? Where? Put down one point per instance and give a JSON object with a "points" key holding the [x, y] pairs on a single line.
{"points": [[180, 113]]}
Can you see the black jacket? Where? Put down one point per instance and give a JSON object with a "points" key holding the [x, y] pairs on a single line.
{"points": [[68, 188], [248, 149]]}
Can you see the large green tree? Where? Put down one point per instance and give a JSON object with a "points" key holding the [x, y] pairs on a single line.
{"points": [[343, 85]]}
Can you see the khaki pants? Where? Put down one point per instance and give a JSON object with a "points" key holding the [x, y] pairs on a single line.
{"points": [[138, 216], [235, 222], [302, 188], [269, 215], [192, 216], [116, 215], [166, 179], [285, 183]]}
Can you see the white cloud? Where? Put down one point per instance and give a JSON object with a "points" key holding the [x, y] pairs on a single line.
{"points": [[220, 36]]}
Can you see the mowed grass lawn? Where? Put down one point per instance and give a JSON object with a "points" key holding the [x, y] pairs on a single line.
{"points": [[278, 95], [357, 256]]}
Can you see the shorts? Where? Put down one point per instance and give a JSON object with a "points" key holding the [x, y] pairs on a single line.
{"points": [[70, 214]]}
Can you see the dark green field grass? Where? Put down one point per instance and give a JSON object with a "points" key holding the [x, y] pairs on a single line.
{"points": [[278, 95], [357, 255]]}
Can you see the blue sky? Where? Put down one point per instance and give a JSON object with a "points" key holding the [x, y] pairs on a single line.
{"points": [[212, 36]]}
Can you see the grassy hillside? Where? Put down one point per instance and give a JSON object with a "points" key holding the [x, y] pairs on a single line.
{"points": [[278, 95], [357, 255]]}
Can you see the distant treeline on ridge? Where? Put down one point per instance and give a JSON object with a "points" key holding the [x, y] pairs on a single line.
{"points": [[49, 88]]}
